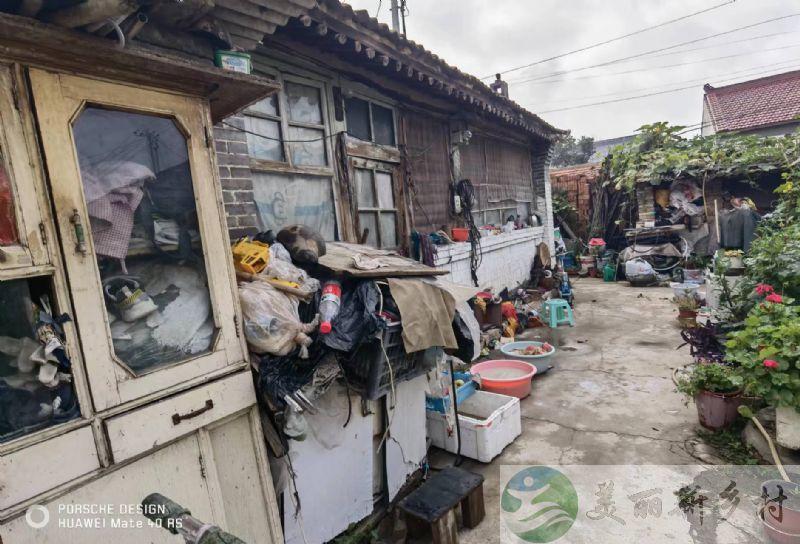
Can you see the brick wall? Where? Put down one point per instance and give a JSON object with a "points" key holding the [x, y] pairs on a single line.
{"points": [[578, 182], [235, 175], [507, 259]]}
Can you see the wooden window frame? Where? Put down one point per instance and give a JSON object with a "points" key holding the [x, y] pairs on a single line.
{"points": [[373, 167], [370, 102]]}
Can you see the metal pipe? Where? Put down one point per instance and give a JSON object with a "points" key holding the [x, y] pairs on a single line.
{"points": [[139, 20], [118, 30]]}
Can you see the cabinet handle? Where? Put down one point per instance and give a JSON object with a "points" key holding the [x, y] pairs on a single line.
{"points": [[80, 232], [177, 418]]}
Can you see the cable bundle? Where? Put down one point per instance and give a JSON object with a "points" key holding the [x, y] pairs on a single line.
{"points": [[466, 193]]}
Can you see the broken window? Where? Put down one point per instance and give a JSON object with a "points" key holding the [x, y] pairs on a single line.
{"points": [[145, 235], [377, 214], [288, 199], [297, 136], [369, 121], [36, 389]]}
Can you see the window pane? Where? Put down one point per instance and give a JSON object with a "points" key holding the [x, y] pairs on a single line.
{"points": [[285, 199], [357, 115], [267, 106], [308, 147], [8, 222], [383, 124], [388, 230], [366, 192], [265, 142], [36, 389], [144, 228], [385, 193], [366, 220], [304, 103]]}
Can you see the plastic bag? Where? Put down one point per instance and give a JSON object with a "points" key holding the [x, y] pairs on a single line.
{"points": [[282, 270], [271, 320], [638, 267], [468, 332], [357, 321]]}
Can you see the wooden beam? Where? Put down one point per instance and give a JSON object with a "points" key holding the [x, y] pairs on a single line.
{"points": [[370, 52], [357, 46], [384, 60], [322, 29], [305, 20], [341, 38], [398, 65], [31, 42]]}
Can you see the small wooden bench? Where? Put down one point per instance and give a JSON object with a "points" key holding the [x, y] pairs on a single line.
{"points": [[432, 505]]}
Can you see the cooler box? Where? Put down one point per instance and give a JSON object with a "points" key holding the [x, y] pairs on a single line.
{"points": [[489, 422]]}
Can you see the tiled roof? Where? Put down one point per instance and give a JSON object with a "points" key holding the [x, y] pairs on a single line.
{"points": [[589, 171], [762, 102]]}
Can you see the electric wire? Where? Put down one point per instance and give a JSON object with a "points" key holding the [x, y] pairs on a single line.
{"points": [[660, 49], [605, 42]]}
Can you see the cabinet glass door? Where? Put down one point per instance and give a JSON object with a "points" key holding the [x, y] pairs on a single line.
{"points": [[138, 207]]}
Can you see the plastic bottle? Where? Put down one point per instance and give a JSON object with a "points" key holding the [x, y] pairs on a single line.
{"points": [[329, 304]]}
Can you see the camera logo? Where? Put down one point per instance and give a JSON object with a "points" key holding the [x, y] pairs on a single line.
{"points": [[37, 516]]}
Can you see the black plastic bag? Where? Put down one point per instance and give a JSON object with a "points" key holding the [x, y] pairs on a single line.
{"points": [[357, 321], [466, 346]]}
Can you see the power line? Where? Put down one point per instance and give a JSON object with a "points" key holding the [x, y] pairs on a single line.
{"points": [[790, 64], [595, 76], [659, 50], [626, 99], [586, 48]]}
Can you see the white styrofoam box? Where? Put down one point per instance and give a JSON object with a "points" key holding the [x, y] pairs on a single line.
{"points": [[489, 422]]}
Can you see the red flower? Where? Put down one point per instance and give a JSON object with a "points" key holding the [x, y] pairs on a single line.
{"points": [[769, 363], [764, 289], [775, 297]]}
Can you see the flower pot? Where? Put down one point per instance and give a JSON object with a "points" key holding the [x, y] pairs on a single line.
{"points": [[717, 410], [781, 513], [787, 427]]}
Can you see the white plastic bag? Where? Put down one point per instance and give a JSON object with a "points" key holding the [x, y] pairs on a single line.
{"points": [[271, 320], [637, 268]]}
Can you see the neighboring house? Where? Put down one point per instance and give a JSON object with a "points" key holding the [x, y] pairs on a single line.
{"points": [[603, 147], [768, 106]]}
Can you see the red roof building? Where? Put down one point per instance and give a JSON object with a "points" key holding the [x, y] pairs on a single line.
{"points": [[768, 106]]}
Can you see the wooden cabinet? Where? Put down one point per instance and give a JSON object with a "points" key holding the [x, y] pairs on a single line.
{"points": [[110, 212]]}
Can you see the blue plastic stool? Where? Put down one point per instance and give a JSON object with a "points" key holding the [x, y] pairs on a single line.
{"points": [[557, 312]]}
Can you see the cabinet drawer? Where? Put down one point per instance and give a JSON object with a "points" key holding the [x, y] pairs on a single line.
{"points": [[146, 428], [44, 466]]}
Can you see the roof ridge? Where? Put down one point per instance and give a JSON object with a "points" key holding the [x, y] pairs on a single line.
{"points": [[710, 89]]}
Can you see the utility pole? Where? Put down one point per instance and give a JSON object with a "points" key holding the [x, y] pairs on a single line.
{"points": [[396, 16]]}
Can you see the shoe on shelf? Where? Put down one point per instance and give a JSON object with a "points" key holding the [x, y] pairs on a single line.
{"points": [[131, 302]]}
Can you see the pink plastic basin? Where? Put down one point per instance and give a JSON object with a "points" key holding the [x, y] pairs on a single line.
{"points": [[506, 377]]}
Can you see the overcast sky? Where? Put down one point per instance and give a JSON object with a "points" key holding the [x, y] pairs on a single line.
{"points": [[485, 36]]}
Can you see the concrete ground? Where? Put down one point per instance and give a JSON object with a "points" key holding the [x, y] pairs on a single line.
{"points": [[609, 400]]}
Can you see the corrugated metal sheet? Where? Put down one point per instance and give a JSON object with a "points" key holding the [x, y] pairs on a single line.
{"points": [[429, 163]]}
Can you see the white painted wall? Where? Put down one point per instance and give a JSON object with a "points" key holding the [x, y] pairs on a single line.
{"points": [[406, 446], [507, 258]]}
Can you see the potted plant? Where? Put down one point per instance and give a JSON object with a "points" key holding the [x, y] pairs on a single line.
{"points": [[687, 310], [768, 350], [716, 390], [735, 261]]}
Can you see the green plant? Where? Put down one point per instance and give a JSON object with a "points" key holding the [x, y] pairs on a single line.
{"points": [[714, 378], [774, 256], [735, 302], [768, 349], [730, 447]]}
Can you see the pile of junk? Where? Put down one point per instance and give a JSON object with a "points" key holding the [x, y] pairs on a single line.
{"points": [[318, 313]]}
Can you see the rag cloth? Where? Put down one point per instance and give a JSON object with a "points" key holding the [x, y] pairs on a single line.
{"points": [[426, 312], [113, 191]]}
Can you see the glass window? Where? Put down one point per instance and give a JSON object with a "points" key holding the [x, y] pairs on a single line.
{"points": [[376, 207], [36, 389], [8, 221], [268, 106], [357, 117], [307, 146], [369, 121], [383, 125], [287, 199], [144, 228], [304, 103], [264, 139]]}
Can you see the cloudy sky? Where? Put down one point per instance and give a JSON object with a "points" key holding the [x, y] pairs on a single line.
{"points": [[485, 36]]}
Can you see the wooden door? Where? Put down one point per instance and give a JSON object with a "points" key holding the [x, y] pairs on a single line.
{"points": [[138, 208]]}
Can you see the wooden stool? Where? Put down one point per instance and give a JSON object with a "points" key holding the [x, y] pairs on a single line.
{"points": [[432, 505]]}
